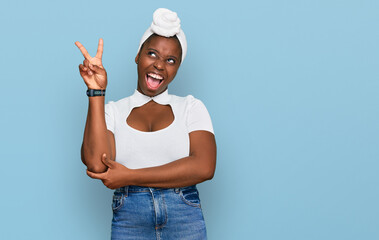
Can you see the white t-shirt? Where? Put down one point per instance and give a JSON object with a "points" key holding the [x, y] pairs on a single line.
{"points": [[137, 149]]}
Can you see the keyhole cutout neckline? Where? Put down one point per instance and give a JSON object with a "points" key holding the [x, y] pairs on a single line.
{"points": [[139, 103], [150, 118]]}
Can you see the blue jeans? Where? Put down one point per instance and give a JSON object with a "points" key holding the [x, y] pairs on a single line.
{"points": [[157, 213]]}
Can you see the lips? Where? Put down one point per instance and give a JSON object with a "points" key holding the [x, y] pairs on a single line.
{"points": [[154, 80]]}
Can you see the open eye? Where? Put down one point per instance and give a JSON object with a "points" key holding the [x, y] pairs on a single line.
{"points": [[151, 53], [171, 61]]}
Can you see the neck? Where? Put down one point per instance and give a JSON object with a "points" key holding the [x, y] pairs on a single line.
{"points": [[150, 94]]}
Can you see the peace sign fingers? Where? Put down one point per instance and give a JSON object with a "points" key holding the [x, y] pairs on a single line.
{"points": [[92, 70], [99, 53], [83, 50]]}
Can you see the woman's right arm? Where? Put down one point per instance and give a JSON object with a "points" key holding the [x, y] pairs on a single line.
{"points": [[97, 139]]}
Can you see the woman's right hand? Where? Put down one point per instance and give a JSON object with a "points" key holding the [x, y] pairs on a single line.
{"points": [[92, 70]]}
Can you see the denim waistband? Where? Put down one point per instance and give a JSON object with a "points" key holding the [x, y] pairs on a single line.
{"points": [[133, 188]]}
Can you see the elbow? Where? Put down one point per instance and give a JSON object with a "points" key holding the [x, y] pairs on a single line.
{"points": [[208, 173], [211, 168], [96, 168], [208, 168], [93, 165]]}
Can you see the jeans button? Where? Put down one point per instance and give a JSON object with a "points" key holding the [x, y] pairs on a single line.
{"points": [[176, 190]]}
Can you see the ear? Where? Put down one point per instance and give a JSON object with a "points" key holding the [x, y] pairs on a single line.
{"points": [[137, 58]]}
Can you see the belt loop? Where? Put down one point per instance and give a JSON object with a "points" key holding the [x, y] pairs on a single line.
{"points": [[126, 188]]}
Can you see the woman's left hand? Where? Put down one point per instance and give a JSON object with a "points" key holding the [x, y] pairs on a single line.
{"points": [[116, 176]]}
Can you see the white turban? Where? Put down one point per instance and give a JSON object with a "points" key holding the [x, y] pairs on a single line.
{"points": [[167, 24]]}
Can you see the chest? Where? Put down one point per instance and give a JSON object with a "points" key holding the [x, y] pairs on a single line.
{"points": [[150, 117]]}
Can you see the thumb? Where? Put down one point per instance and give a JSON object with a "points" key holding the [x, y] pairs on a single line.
{"points": [[106, 161]]}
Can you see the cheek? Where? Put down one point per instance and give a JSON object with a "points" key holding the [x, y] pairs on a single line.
{"points": [[173, 72], [143, 63]]}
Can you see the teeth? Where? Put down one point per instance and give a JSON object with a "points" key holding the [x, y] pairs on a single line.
{"points": [[156, 76]]}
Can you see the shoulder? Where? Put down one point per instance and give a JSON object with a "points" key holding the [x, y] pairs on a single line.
{"points": [[195, 113], [119, 105], [187, 101], [119, 102]]}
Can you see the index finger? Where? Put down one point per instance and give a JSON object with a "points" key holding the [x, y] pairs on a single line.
{"points": [[83, 50], [99, 53]]}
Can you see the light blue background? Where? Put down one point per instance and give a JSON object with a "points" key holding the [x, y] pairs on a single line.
{"points": [[292, 88]]}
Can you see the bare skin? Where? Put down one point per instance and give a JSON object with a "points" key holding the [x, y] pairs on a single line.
{"points": [[97, 139], [150, 117], [161, 56]]}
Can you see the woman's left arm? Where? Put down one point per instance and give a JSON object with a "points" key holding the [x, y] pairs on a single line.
{"points": [[198, 167]]}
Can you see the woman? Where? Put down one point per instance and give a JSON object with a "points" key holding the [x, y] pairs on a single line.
{"points": [[152, 147]]}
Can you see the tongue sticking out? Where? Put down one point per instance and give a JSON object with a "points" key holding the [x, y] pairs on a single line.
{"points": [[152, 82]]}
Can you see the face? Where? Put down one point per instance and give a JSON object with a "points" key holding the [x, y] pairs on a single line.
{"points": [[157, 63]]}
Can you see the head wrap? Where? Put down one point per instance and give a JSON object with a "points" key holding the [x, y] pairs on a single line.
{"points": [[167, 24]]}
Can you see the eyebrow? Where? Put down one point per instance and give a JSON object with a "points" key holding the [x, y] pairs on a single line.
{"points": [[171, 56]]}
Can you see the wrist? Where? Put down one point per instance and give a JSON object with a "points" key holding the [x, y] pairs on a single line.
{"points": [[131, 177], [95, 92]]}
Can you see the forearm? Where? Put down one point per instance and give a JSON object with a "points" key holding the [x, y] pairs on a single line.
{"points": [[183, 172], [95, 141]]}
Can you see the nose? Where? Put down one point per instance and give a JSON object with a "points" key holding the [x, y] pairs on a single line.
{"points": [[158, 64]]}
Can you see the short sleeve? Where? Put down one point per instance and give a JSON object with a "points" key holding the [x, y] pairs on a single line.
{"points": [[198, 116], [109, 116]]}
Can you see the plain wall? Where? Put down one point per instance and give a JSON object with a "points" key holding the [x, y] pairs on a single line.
{"points": [[291, 86]]}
